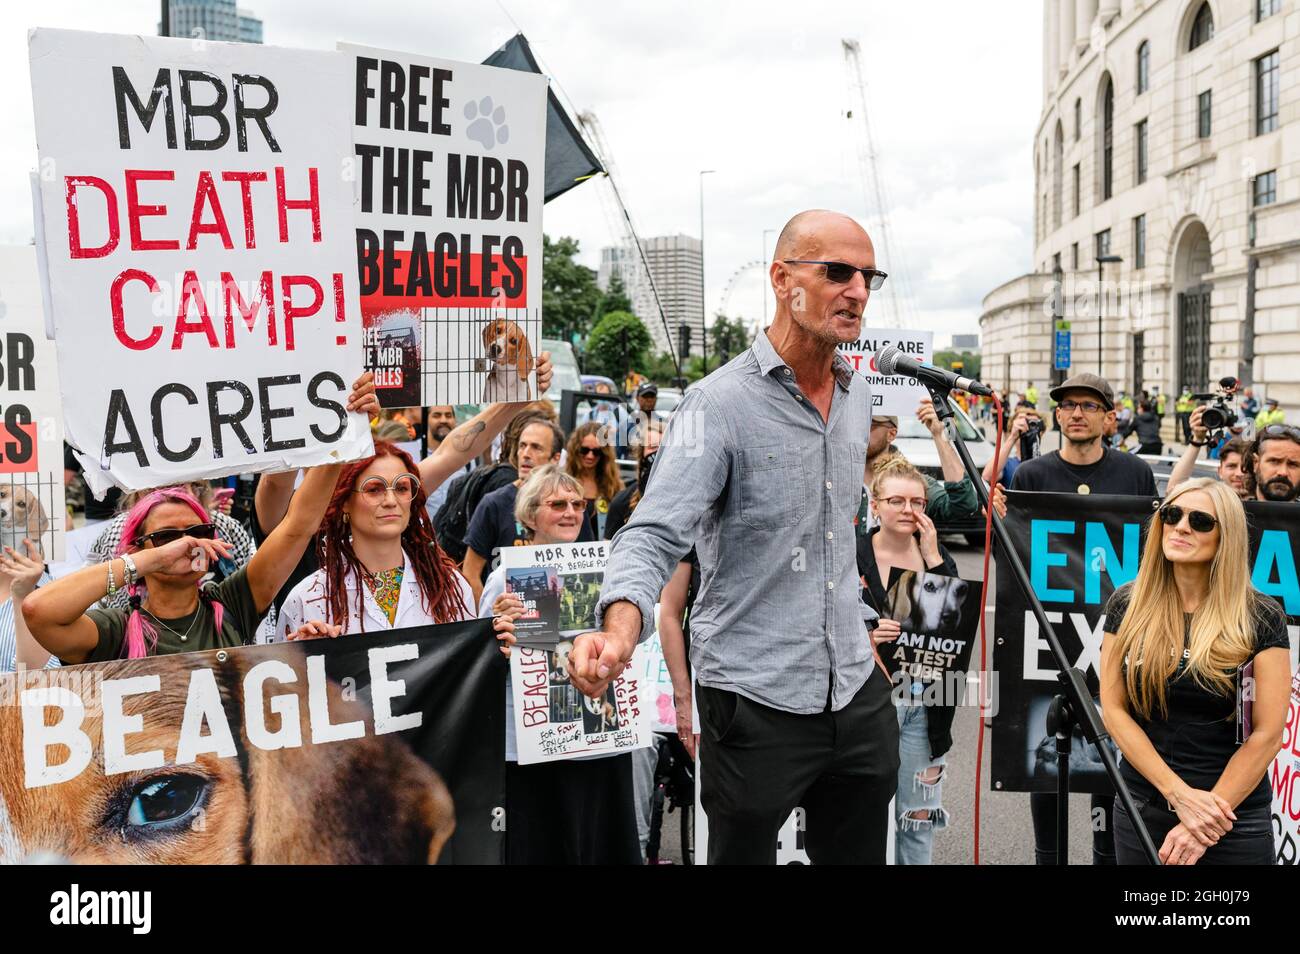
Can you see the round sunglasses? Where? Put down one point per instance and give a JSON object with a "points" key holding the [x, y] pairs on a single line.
{"points": [[1200, 521]]}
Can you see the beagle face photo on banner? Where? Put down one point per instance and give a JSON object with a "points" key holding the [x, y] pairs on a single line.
{"points": [[510, 362], [224, 800], [928, 602]]}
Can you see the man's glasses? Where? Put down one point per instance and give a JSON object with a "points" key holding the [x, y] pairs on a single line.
{"points": [[898, 503], [558, 507], [1200, 521], [1088, 407], [375, 489], [160, 538], [842, 272]]}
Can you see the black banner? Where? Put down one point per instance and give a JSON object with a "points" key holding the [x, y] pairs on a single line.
{"points": [[375, 749], [1077, 550]]}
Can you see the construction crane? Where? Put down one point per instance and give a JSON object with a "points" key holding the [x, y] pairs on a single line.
{"points": [[632, 265], [900, 311]]}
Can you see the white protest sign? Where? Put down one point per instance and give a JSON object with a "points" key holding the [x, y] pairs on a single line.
{"points": [[553, 720], [893, 395], [449, 184], [1284, 779], [200, 245], [31, 418]]}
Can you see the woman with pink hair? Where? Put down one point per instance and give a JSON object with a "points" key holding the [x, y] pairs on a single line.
{"points": [[167, 545]]}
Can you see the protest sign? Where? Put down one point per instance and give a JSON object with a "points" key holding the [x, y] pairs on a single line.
{"points": [[1284, 777], [31, 419], [896, 394], [199, 243], [553, 720], [927, 664], [1077, 549], [449, 182], [333, 751]]}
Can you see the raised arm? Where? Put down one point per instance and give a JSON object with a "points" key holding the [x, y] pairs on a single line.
{"points": [[690, 473], [1010, 442], [948, 459], [283, 548], [463, 444], [1186, 465]]}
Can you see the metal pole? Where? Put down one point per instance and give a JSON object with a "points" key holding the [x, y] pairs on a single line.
{"points": [[704, 299]]}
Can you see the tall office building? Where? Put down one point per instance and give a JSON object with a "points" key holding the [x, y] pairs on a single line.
{"points": [[675, 265], [214, 20]]}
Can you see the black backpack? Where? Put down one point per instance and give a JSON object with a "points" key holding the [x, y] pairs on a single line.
{"points": [[451, 522]]}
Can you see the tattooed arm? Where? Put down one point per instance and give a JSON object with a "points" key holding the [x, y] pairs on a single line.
{"points": [[466, 442]]}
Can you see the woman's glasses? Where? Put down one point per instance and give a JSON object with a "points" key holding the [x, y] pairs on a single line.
{"points": [[558, 507], [375, 489], [160, 538], [1200, 521], [589, 451], [898, 503]]}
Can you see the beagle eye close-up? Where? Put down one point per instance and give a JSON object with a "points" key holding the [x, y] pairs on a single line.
{"points": [[159, 806]]}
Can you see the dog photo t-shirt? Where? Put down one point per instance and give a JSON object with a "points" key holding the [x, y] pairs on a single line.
{"points": [[188, 634]]}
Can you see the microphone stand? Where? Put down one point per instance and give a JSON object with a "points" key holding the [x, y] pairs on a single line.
{"points": [[1074, 705]]}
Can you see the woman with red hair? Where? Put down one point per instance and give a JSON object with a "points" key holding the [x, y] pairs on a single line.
{"points": [[380, 566], [167, 544]]}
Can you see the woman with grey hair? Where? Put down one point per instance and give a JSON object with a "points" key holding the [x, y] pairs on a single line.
{"points": [[580, 811]]}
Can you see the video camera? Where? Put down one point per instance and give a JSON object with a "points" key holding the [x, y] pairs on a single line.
{"points": [[1219, 414]]}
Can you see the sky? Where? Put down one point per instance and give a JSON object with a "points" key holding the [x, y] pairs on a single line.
{"points": [[757, 91]]}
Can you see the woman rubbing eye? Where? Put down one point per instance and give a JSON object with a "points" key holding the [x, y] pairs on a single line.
{"points": [[590, 459], [598, 825], [380, 566], [1182, 643], [168, 543]]}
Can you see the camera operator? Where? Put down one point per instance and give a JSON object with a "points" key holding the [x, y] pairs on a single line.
{"points": [[1084, 464], [1231, 457], [1021, 443]]}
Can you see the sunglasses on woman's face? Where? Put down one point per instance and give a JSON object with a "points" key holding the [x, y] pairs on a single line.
{"points": [[558, 507], [589, 451], [1200, 521], [160, 538]]}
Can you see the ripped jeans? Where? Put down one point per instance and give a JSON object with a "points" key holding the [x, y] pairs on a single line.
{"points": [[918, 809]]}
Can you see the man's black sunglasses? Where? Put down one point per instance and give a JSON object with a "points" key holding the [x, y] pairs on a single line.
{"points": [[1200, 521], [160, 538], [842, 272]]}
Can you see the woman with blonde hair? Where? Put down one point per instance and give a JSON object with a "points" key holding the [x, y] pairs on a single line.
{"points": [[590, 460], [1195, 678], [903, 537]]}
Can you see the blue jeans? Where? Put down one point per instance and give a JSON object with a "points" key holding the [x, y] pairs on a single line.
{"points": [[918, 808]]}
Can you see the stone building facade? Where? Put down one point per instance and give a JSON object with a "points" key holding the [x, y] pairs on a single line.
{"points": [[1168, 137]]}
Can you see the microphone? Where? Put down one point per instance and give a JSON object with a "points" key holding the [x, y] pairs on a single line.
{"points": [[890, 360]]}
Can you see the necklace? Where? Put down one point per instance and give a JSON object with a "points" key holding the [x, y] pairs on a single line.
{"points": [[185, 635]]}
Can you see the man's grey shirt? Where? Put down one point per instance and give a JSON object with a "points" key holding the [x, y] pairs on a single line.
{"points": [[750, 475]]}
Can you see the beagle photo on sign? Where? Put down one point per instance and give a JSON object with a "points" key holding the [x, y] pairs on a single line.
{"points": [[251, 756], [510, 362]]}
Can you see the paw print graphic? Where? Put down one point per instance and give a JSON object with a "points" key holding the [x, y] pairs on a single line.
{"points": [[487, 125]]}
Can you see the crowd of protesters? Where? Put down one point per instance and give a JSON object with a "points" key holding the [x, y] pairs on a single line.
{"points": [[412, 536]]}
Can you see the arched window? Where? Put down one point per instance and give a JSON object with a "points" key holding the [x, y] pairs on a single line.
{"points": [[1202, 27], [1143, 67], [1107, 140]]}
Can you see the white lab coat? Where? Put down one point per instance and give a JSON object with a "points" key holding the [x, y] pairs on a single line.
{"points": [[306, 603]]}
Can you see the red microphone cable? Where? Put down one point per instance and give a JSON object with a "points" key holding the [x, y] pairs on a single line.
{"points": [[984, 591]]}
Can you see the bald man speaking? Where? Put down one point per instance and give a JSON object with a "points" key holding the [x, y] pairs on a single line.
{"points": [[761, 470]]}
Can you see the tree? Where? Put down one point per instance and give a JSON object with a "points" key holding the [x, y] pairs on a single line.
{"points": [[615, 297], [619, 342], [570, 297], [727, 338], [970, 362]]}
